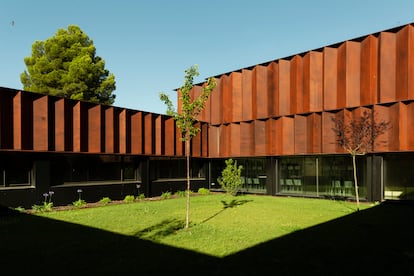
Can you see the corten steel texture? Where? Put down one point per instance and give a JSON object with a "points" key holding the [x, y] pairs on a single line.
{"points": [[109, 130], [235, 139], [296, 85], [124, 146], [149, 134], [196, 143], [216, 104], [204, 139], [387, 67], [36, 122], [94, 129], [237, 94], [41, 124], [260, 141], [305, 90], [330, 77], [80, 127], [60, 123], [284, 88], [170, 136], [312, 81], [263, 92], [17, 121], [246, 138], [214, 141], [159, 135], [301, 134], [409, 123], [227, 99], [23, 121], [273, 69], [369, 65], [247, 91], [137, 131]]}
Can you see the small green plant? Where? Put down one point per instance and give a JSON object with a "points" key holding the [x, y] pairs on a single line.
{"points": [[20, 209], [180, 193], [166, 195], [141, 196], [230, 179], [47, 205], [105, 200], [203, 191], [129, 198], [80, 202]]}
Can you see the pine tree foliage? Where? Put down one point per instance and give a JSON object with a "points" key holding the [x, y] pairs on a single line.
{"points": [[66, 65]]}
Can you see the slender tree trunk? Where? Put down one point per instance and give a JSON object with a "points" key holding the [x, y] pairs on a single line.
{"points": [[187, 154], [355, 180]]}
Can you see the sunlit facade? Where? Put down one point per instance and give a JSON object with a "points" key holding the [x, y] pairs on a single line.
{"points": [[274, 118]]}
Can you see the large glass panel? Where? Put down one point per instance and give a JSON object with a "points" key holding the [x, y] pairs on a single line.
{"points": [[111, 168], [330, 176], [310, 176], [336, 177], [253, 175], [398, 177], [291, 175], [15, 171]]}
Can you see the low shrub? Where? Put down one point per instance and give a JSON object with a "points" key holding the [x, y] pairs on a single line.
{"points": [[141, 196], [203, 191], [20, 209], [166, 195], [47, 205], [230, 179], [105, 200], [79, 203], [129, 198], [180, 193]]}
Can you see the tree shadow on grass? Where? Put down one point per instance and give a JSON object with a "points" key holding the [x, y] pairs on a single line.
{"points": [[226, 205], [375, 241], [161, 230]]}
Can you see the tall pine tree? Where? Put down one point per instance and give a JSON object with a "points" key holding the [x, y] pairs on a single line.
{"points": [[66, 65]]}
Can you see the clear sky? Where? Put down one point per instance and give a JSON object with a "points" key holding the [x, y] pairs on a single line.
{"points": [[147, 45]]}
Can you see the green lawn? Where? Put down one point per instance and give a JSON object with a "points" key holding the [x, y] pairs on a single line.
{"points": [[244, 235], [220, 224]]}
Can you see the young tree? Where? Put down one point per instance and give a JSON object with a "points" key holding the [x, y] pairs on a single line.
{"points": [[230, 178], [357, 136], [187, 116], [65, 65]]}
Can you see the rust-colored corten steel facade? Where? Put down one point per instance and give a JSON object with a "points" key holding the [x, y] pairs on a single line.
{"points": [[39, 123], [274, 118], [284, 107]]}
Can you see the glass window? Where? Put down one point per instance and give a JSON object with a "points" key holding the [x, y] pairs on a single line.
{"points": [[67, 169], [15, 171], [320, 176], [291, 175], [253, 175], [337, 176], [398, 177]]}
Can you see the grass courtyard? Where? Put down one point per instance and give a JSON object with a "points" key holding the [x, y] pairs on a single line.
{"points": [[244, 235]]}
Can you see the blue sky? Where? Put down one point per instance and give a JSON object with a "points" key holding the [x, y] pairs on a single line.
{"points": [[147, 45]]}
